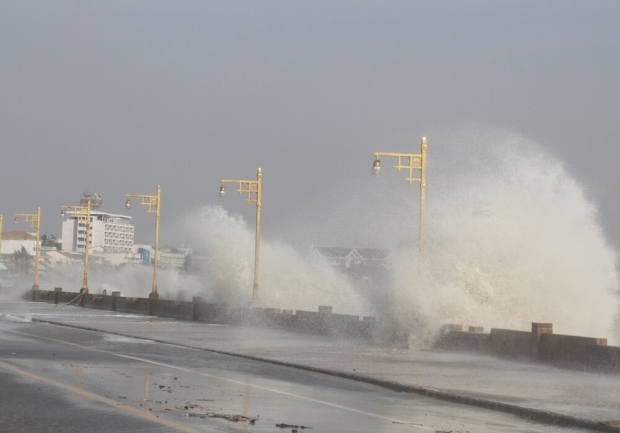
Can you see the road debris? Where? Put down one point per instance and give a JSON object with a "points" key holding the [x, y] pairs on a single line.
{"points": [[228, 417], [197, 411], [451, 431], [611, 422], [301, 427]]}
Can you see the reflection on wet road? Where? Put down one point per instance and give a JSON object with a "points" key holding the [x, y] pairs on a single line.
{"points": [[90, 381]]}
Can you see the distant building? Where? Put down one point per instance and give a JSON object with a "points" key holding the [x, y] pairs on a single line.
{"points": [[95, 199], [15, 240], [344, 258], [367, 267], [63, 258], [111, 233], [169, 258]]}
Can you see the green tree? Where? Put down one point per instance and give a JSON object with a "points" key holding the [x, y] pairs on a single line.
{"points": [[21, 262], [50, 241]]}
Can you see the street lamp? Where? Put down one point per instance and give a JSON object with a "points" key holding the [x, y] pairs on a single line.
{"points": [[254, 190], [152, 203], [35, 221], [83, 214], [411, 162]]}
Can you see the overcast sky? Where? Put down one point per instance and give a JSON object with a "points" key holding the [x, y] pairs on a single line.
{"points": [[120, 96]]}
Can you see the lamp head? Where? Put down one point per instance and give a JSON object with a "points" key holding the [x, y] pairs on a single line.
{"points": [[128, 204], [15, 220], [376, 167], [223, 191]]}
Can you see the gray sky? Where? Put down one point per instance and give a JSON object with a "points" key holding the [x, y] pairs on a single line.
{"points": [[119, 96]]}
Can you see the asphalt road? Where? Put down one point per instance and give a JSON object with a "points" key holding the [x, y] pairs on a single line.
{"points": [[56, 378]]}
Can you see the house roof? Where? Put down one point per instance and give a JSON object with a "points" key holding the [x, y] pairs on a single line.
{"points": [[333, 251], [373, 253], [67, 254], [18, 235], [364, 253]]}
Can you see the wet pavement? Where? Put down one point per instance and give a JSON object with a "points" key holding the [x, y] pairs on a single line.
{"points": [[133, 384]]}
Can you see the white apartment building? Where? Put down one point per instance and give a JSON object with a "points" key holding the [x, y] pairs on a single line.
{"points": [[109, 233]]}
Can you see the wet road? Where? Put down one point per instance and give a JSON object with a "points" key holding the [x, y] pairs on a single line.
{"points": [[55, 378]]}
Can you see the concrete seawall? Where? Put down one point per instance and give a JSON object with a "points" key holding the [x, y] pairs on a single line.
{"points": [[540, 345], [321, 322]]}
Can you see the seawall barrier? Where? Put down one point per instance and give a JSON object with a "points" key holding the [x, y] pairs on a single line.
{"points": [[539, 345], [321, 322]]}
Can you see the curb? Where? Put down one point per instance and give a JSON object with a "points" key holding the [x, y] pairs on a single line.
{"points": [[528, 413]]}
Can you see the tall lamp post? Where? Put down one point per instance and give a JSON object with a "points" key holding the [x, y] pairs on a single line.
{"points": [[83, 214], [253, 188], [410, 162], [152, 204], [34, 219]]}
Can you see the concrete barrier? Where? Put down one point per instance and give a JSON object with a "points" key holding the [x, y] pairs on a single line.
{"points": [[174, 309], [463, 340], [538, 345], [603, 358], [511, 344], [63, 298], [322, 322], [287, 321], [207, 312], [342, 325], [57, 290], [450, 327], [133, 305], [568, 349], [44, 296], [506, 343], [97, 301], [115, 298], [261, 317], [308, 321]]}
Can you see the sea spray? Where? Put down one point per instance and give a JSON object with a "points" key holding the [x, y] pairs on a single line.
{"points": [[287, 280], [511, 239], [129, 280]]}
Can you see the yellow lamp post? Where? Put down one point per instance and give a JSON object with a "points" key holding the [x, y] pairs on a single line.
{"points": [[253, 188], [410, 162], [83, 214], [35, 221], [152, 203]]}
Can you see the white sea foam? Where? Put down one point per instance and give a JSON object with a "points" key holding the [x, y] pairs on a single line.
{"points": [[512, 239], [287, 279]]}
